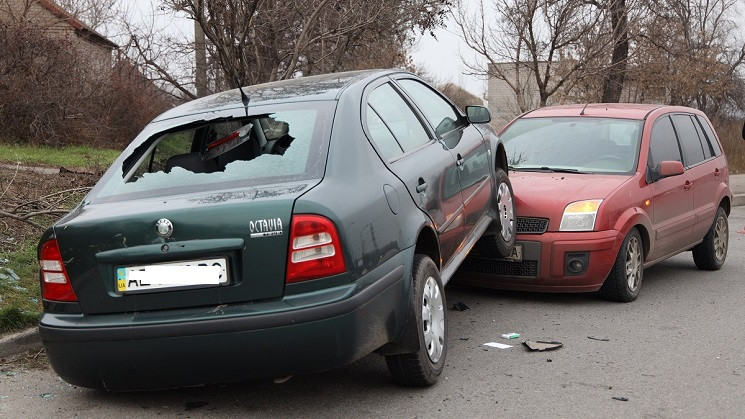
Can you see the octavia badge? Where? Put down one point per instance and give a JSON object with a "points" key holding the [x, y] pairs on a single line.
{"points": [[164, 227]]}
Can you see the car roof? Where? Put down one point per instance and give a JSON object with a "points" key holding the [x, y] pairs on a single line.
{"points": [[603, 110], [320, 87]]}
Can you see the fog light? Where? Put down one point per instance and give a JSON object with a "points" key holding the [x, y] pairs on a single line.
{"points": [[575, 263]]}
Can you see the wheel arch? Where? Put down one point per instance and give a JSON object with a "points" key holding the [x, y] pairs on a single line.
{"points": [[427, 244], [636, 218]]}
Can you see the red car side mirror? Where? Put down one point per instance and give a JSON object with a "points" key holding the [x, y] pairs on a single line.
{"points": [[670, 168]]}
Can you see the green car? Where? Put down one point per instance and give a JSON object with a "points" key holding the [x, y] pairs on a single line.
{"points": [[279, 229]]}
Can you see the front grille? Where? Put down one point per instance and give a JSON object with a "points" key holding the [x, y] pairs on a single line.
{"points": [[526, 225], [527, 268]]}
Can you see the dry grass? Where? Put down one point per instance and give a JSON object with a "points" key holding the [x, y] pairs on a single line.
{"points": [[730, 133]]}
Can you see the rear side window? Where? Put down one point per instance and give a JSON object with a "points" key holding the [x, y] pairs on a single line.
{"points": [[279, 143], [693, 152], [663, 144], [398, 117], [703, 123], [382, 136], [437, 110]]}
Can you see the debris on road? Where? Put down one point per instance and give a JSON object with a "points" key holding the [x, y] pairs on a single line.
{"points": [[542, 345], [497, 345], [459, 306], [597, 338], [46, 395], [623, 399], [511, 335]]}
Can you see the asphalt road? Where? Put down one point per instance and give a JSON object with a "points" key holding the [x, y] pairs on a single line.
{"points": [[676, 351]]}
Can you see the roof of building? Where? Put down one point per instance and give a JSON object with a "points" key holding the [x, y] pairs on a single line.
{"points": [[80, 28]]}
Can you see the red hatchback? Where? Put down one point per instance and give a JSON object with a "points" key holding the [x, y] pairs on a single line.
{"points": [[606, 190]]}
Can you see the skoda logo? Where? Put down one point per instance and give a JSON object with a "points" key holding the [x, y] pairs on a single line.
{"points": [[164, 227]]}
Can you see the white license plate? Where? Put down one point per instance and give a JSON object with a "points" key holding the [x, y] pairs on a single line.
{"points": [[517, 254], [157, 277]]}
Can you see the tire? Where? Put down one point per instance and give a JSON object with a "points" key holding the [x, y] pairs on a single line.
{"points": [[625, 278], [709, 255], [500, 245], [423, 367]]}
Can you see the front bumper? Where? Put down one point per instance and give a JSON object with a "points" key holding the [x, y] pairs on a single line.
{"points": [[300, 334], [543, 265]]}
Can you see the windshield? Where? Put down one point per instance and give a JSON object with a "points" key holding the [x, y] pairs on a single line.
{"points": [[273, 144], [573, 144]]}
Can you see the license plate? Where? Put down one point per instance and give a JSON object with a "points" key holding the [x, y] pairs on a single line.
{"points": [[172, 275], [516, 255]]}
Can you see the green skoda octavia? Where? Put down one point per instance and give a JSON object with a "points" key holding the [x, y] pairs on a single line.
{"points": [[278, 229]]}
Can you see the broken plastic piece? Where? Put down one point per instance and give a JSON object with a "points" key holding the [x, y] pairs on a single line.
{"points": [[497, 345], [542, 345], [459, 306], [597, 338], [623, 399], [511, 335]]}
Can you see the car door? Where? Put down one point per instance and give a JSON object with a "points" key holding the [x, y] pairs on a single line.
{"points": [[708, 174], [672, 197], [464, 141], [424, 164]]}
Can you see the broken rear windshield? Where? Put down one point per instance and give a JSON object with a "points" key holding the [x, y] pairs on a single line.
{"points": [[274, 144]]}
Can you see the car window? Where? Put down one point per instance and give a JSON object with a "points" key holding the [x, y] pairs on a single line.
{"points": [[585, 144], [663, 145], [705, 143], [709, 135], [693, 152], [287, 143], [398, 117], [437, 110], [382, 136]]}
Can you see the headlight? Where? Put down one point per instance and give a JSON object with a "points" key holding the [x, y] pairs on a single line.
{"points": [[580, 215]]}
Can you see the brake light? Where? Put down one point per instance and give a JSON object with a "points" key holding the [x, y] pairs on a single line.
{"points": [[315, 250], [55, 284]]}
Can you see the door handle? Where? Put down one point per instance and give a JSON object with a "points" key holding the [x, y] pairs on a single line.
{"points": [[717, 172], [422, 186], [687, 185], [459, 161]]}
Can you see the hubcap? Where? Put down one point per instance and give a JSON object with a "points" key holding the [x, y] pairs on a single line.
{"points": [[633, 263], [720, 238], [433, 319], [506, 212]]}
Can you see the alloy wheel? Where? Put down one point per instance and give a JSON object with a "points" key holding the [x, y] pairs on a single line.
{"points": [[720, 238], [633, 263], [506, 211]]}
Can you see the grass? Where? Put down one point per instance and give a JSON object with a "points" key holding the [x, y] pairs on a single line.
{"points": [[72, 156], [19, 288]]}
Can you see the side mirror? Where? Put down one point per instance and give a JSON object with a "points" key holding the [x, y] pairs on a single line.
{"points": [[478, 114], [670, 168]]}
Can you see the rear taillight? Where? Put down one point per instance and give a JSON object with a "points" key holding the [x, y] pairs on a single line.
{"points": [[55, 284], [315, 250]]}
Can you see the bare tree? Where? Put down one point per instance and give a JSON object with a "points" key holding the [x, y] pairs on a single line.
{"points": [[257, 41], [543, 45], [95, 13]]}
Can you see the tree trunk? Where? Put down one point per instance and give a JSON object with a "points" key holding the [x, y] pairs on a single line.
{"points": [[613, 81], [200, 57]]}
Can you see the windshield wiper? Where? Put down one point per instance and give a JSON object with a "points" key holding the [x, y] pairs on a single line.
{"points": [[548, 169]]}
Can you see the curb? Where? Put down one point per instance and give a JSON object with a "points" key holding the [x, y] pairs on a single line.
{"points": [[18, 343], [738, 200]]}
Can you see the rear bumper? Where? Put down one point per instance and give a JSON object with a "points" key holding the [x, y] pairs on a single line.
{"points": [[543, 265], [300, 334]]}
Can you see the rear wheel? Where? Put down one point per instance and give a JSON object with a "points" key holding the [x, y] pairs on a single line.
{"points": [[501, 244], [423, 367], [709, 255], [625, 278]]}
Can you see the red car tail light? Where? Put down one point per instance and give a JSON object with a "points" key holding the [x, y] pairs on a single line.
{"points": [[315, 250], [55, 284]]}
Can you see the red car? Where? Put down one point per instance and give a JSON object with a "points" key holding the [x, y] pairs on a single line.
{"points": [[603, 191]]}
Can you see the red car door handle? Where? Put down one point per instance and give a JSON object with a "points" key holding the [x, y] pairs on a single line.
{"points": [[687, 185]]}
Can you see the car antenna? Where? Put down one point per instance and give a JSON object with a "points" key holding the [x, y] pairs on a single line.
{"points": [[244, 98], [583, 109]]}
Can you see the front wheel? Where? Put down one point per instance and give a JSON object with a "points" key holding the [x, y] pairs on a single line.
{"points": [[423, 367], [500, 245], [625, 278], [709, 255]]}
